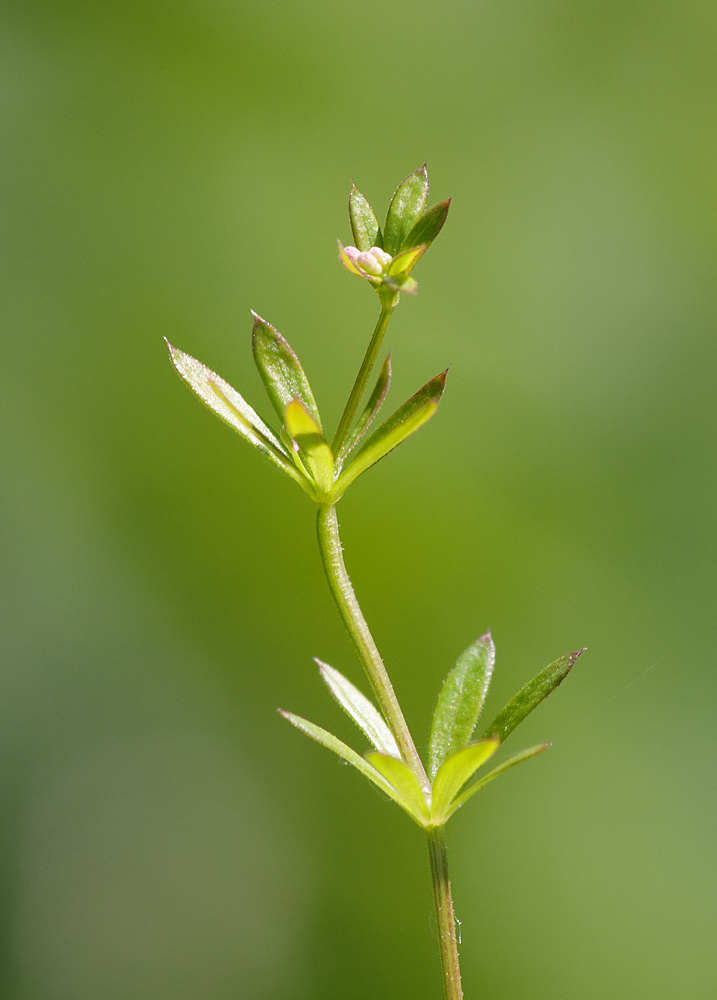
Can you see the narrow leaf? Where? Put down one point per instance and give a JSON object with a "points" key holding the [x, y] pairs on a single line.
{"points": [[429, 225], [530, 696], [331, 742], [226, 402], [455, 772], [308, 442], [374, 404], [366, 716], [364, 223], [280, 369], [407, 206], [505, 766], [460, 701], [406, 784], [407, 419]]}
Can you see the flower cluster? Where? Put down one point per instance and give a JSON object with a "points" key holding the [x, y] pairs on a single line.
{"points": [[371, 264], [386, 259]]}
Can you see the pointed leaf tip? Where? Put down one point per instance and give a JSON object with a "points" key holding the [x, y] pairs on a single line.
{"points": [[360, 709], [364, 224], [280, 369], [407, 206], [407, 419], [233, 409], [531, 695], [460, 702]]}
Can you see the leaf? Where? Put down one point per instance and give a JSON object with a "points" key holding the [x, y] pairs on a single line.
{"points": [[530, 696], [374, 404], [406, 208], [460, 701], [226, 402], [366, 716], [429, 225], [332, 742], [405, 262], [309, 442], [364, 224], [406, 784], [280, 369], [407, 419], [453, 774], [505, 766]]}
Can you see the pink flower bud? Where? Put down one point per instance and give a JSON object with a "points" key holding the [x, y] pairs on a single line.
{"points": [[369, 263]]}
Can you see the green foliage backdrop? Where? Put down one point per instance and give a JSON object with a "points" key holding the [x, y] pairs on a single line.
{"points": [[167, 166]]}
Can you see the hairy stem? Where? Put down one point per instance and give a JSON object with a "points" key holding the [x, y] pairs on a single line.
{"points": [[327, 527], [388, 302], [445, 916]]}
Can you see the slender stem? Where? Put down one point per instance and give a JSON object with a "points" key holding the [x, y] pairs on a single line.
{"points": [[388, 302], [444, 913], [327, 528]]}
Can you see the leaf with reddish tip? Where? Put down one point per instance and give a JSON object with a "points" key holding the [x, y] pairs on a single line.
{"points": [[407, 419], [407, 206], [280, 369], [530, 696], [496, 772], [374, 404], [366, 716], [455, 772], [460, 702], [428, 226], [228, 404], [364, 224]]}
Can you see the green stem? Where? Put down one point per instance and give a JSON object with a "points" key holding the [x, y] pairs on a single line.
{"points": [[327, 528], [388, 302], [445, 916]]}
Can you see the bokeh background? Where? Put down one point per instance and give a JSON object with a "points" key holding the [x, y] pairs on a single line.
{"points": [[167, 166]]}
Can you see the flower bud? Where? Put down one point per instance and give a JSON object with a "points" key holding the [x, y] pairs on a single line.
{"points": [[352, 253], [371, 264], [382, 257]]}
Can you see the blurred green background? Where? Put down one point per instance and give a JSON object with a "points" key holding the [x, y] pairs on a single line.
{"points": [[167, 166]]}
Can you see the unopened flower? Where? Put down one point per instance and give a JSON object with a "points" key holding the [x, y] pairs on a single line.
{"points": [[409, 230], [371, 264]]}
